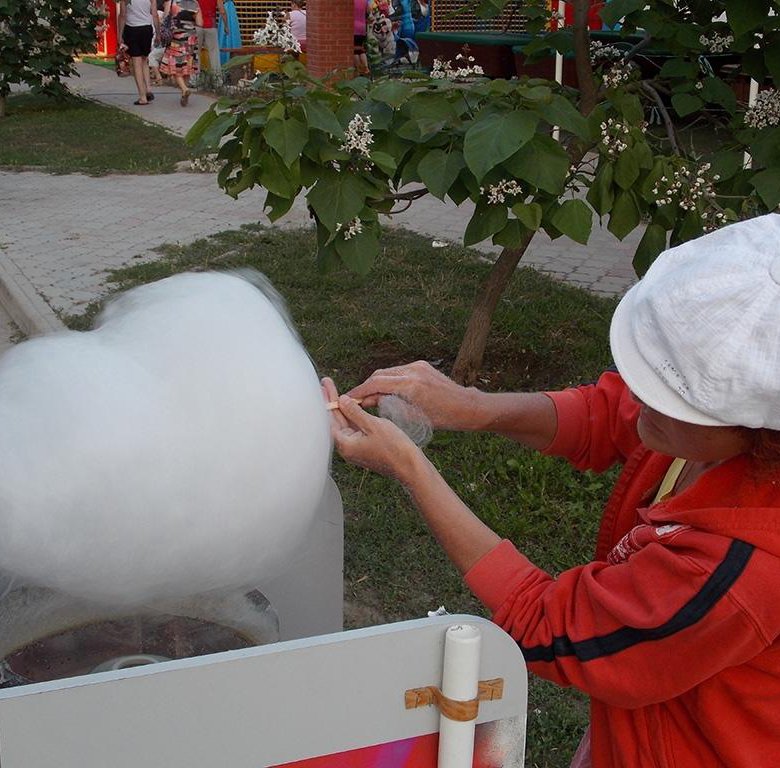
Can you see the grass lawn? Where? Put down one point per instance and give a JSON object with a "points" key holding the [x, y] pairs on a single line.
{"points": [[77, 135], [414, 304]]}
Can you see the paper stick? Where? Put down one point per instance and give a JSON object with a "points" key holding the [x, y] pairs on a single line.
{"points": [[460, 681]]}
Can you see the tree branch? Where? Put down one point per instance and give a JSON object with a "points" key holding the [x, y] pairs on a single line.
{"points": [[670, 132]]}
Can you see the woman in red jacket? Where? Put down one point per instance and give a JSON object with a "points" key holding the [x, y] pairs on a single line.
{"points": [[673, 628]]}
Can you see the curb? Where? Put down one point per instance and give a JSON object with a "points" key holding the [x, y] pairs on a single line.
{"points": [[24, 304]]}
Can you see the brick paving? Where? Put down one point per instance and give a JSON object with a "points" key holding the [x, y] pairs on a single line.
{"points": [[59, 235]]}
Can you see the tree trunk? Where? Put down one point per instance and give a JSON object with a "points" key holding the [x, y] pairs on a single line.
{"points": [[472, 347], [581, 35], [3, 98]]}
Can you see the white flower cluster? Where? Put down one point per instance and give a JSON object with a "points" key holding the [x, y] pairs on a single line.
{"points": [[765, 110], [717, 43], [618, 74], [354, 227], [205, 164], [690, 186], [613, 133], [465, 68], [498, 193], [275, 35], [600, 52], [358, 137]]}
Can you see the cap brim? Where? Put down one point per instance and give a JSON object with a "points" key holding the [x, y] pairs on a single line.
{"points": [[640, 377]]}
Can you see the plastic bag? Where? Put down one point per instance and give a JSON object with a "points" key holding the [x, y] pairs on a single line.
{"points": [[122, 62]]}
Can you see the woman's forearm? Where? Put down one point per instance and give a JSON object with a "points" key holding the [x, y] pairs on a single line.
{"points": [[528, 418], [462, 535]]}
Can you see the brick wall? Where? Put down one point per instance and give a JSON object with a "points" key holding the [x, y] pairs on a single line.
{"points": [[329, 31]]}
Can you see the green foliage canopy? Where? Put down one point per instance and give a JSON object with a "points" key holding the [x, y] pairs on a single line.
{"points": [[359, 148], [39, 39]]}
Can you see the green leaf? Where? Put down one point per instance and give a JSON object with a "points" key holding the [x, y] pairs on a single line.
{"points": [[601, 194], [212, 135], [359, 252], [629, 105], [242, 181], [276, 177], [486, 221], [392, 92], [689, 228], [686, 103], [321, 118], [574, 219], [688, 70], [765, 148], [726, 164], [715, 91], [745, 15], [652, 243], [626, 169], [771, 50], [495, 138], [384, 162], [277, 206], [614, 11], [338, 198], [561, 112], [625, 216], [439, 169], [513, 235], [420, 130], [287, 137], [767, 185], [541, 162], [530, 214], [201, 124]]}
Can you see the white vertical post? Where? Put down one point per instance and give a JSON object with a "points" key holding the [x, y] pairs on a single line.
{"points": [[460, 682], [556, 131], [752, 93]]}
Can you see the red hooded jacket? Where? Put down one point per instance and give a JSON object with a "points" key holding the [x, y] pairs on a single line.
{"points": [[673, 629]]}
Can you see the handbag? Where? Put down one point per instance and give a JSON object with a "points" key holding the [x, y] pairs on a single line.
{"points": [[122, 62], [166, 30]]}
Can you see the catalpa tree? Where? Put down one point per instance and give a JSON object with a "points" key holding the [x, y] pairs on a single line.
{"points": [[530, 154], [40, 39]]}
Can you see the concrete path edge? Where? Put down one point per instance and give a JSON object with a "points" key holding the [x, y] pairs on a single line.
{"points": [[23, 303]]}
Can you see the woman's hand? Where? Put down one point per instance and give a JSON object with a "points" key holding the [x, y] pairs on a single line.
{"points": [[368, 441], [447, 404]]}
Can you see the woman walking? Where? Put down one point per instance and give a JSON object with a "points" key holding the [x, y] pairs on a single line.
{"points": [[138, 24], [180, 58]]}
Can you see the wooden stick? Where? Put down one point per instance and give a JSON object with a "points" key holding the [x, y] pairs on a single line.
{"points": [[334, 404]]}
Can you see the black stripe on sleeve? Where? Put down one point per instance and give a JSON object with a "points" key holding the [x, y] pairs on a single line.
{"points": [[721, 580]]}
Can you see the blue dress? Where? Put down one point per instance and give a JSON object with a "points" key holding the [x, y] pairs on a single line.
{"points": [[232, 40]]}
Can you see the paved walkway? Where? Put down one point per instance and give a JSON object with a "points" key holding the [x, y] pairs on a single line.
{"points": [[60, 234]]}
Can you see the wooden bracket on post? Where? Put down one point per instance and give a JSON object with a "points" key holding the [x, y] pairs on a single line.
{"points": [[461, 711]]}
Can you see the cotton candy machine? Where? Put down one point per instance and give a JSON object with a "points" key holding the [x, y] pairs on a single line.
{"points": [[46, 635]]}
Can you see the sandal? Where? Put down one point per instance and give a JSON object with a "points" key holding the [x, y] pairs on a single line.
{"points": [[185, 97], [150, 96], [140, 103]]}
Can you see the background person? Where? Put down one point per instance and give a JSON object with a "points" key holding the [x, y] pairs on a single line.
{"points": [[228, 31], [155, 56], [138, 24], [180, 59], [208, 35], [673, 629], [296, 18], [360, 57]]}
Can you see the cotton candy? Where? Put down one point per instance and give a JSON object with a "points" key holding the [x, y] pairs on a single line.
{"points": [[180, 447]]}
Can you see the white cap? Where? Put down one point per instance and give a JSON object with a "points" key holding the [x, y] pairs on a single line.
{"points": [[698, 338]]}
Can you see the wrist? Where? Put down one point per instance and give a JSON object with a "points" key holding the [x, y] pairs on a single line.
{"points": [[412, 468]]}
